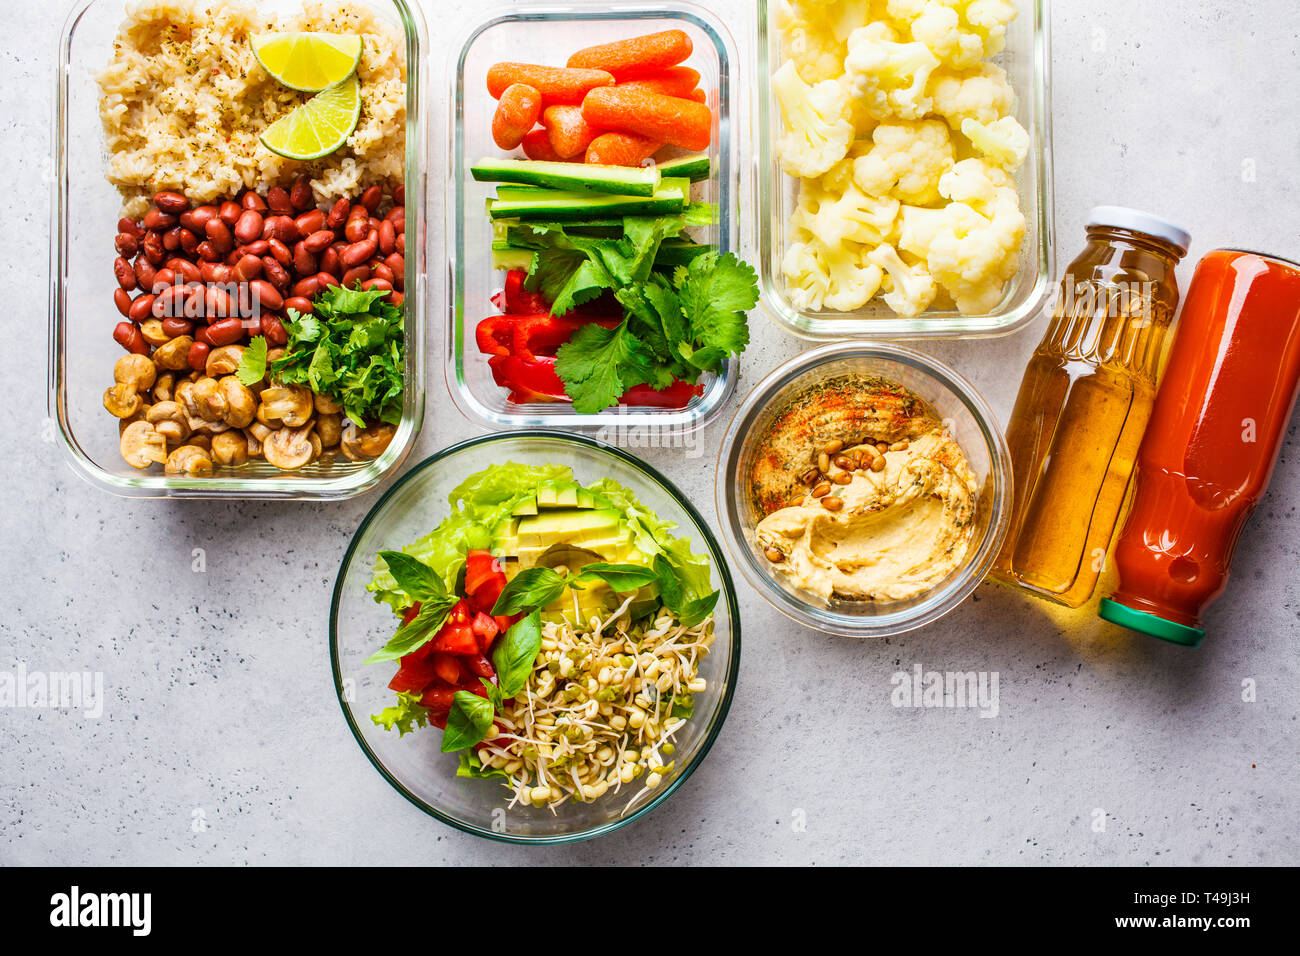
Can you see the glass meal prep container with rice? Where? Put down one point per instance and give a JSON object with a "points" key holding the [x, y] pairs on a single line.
{"points": [[904, 172], [572, 77], [235, 311]]}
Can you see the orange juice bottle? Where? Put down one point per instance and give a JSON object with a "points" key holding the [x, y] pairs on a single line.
{"points": [[1084, 403]]}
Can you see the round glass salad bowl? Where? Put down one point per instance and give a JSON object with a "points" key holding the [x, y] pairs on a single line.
{"points": [[413, 763], [969, 420]]}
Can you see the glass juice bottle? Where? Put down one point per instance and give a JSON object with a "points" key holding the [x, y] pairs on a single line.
{"points": [[1084, 403]]}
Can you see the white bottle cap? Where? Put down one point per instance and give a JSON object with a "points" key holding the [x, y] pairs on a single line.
{"points": [[1135, 220]]}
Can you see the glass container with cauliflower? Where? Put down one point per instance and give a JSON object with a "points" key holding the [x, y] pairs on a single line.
{"points": [[906, 147]]}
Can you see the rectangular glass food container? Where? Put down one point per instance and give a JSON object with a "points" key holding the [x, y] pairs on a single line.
{"points": [[548, 34], [86, 209], [1027, 60]]}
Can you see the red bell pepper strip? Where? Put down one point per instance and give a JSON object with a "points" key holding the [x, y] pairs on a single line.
{"points": [[537, 381], [676, 395], [527, 336], [519, 301]]}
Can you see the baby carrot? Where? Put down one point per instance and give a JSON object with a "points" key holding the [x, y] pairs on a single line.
{"points": [[642, 54], [569, 132], [621, 149], [516, 114], [555, 84], [668, 119], [674, 81], [537, 145], [698, 96]]}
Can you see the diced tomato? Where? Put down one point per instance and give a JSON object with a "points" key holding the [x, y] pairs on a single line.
{"points": [[415, 673], [447, 668], [485, 628], [504, 621], [485, 598], [478, 665], [479, 567], [438, 698], [460, 613], [455, 639], [411, 612]]}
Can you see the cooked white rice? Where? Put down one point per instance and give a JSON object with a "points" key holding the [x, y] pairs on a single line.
{"points": [[183, 101]]}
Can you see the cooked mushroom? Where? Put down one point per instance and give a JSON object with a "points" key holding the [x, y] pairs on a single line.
{"points": [[210, 400], [137, 417], [174, 354], [201, 440], [327, 406], [330, 428], [230, 448], [189, 460], [170, 421], [122, 400], [290, 404], [359, 444], [254, 443], [289, 448], [162, 389], [184, 395], [138, 371], [142, 446], [224, 360], [152, 331], [240, 402]]}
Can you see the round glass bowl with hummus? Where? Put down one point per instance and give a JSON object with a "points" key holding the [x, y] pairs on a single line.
{"points": [[864, 490]]}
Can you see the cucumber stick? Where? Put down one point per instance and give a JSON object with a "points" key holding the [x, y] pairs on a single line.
{"points": [[569, 205], [613, 180], [694, 168]]}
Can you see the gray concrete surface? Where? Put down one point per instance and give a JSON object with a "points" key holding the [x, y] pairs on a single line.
{"points": [[221, 740]]}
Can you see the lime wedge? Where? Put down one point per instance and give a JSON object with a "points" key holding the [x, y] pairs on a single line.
{"points": [[319, 126], [307, 61]]}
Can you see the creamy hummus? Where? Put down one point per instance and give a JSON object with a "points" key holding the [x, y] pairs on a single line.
{"points": [[897, 529]]}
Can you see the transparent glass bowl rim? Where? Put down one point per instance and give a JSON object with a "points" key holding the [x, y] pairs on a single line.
{"points": [[728, 590], [723, 385], [283, 487], [943, 598]]}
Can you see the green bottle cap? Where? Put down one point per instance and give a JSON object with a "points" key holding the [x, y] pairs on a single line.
{"points": [[1145, 623]]}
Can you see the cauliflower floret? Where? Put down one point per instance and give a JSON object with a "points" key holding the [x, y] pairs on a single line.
{"points": [[909, 288], [977, 182], [818, 131], [981, 94], [1003, 142], [906, 162], [820, 276], [889, 77], [962, 32], [814, 34], [848, 215]]}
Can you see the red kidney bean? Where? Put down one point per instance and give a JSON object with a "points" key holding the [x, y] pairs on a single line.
{"points": [[251, 200], [158, 220], [142, 308], [317, 242], [370, 284], [197, 357], [357, 225], [130, 338], [278, 201], [174, 326], [381, 271], [325, 280], [222, 272], [286, 230], [306, 288], [280, 252], [387, 238], [172, 239], [218, 233], [301, 195], [229, 212], [201, 335], [163, 278], [207, 271], [226, 331], [399, 195], [359, 252], [189, 242], [248, 227], [355, 275], [126, 244], [217, 304], [144, 272], [304, 261], [274, 331], [170, 202], [187, 270], [396, 262], [198, 217], [298, 303], [396, 298], [267, 296], [329, 262], [397, 216], [401, 243], [258, 247], [153, 248], [206, 250], [130, 227], [372, 197], [311, 221], [233, 257], [338, 215], [125, 275], [122, 299], [248, 267], [275, 273], [170, 302]]}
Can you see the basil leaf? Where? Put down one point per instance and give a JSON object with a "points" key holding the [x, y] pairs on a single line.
{"points": [[670, 588], [516, 653], [471, 766], [694, 612], [493, 692], [413, 576], [619, 577], [469, 720], [409, 637], [533, 587]]}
